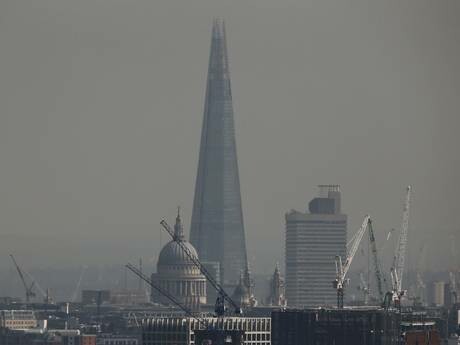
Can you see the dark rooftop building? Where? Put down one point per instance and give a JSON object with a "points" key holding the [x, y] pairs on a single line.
{"points": [[357, 326]]}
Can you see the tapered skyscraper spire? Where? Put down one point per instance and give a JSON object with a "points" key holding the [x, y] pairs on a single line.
{"points": [[217, 230]]}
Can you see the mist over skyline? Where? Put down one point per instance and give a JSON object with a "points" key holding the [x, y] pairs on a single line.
{"points": [[101, 107]]}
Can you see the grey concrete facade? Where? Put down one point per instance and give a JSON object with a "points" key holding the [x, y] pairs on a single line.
{"points": [[217, 229], [312, 241]]}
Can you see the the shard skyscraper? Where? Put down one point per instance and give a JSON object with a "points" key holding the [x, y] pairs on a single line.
{"points": [[217, 229]]}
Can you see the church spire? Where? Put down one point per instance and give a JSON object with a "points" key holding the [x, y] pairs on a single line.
{"points": [[277, 273], [277, 289], [178, 227]]}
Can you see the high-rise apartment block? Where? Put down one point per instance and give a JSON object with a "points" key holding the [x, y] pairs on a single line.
{"points": [[313, 239]]}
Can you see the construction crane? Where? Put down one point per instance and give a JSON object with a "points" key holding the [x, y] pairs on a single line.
{"points": [[165, 293], [397, 270], [453, 287], [74, 296], [341, 270], [380, 279], [45, 294], [363, 286], [223, 297], [420, 289], [28, 288], [419, 285], [452, 278], [213, 333]]}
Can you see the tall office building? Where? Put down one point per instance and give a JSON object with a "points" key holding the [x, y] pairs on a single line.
{"points": [[313, 239], [217, 230]]}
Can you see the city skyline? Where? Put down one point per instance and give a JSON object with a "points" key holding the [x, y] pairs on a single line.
{"points": [[257, 172], [98, 148]]}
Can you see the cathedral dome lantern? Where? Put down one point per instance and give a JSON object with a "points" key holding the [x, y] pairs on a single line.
{"points": [[172, 253]]}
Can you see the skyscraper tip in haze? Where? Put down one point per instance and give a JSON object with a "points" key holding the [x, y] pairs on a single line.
{"points": [[217, 229]]}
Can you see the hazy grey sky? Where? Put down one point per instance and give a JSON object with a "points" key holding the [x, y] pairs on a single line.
{"points": [[101, 104]]}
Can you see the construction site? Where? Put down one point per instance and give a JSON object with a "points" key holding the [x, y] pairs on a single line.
{"points": [[385, 315]]}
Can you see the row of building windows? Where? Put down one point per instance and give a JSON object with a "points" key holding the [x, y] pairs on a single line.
{"points": [[245, 324], [257, 337]]}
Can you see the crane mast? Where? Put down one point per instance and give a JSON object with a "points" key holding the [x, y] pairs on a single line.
{"points": [[363, 286], [77, 287], [419, 293], [452, 278], [342, 269], [28, 289], [45, 294], [397, 271], [453, 287], [222, 295], [377, 268]]}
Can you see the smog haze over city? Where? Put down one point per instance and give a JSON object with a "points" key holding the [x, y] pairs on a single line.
{"points": [[101, 108]]}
